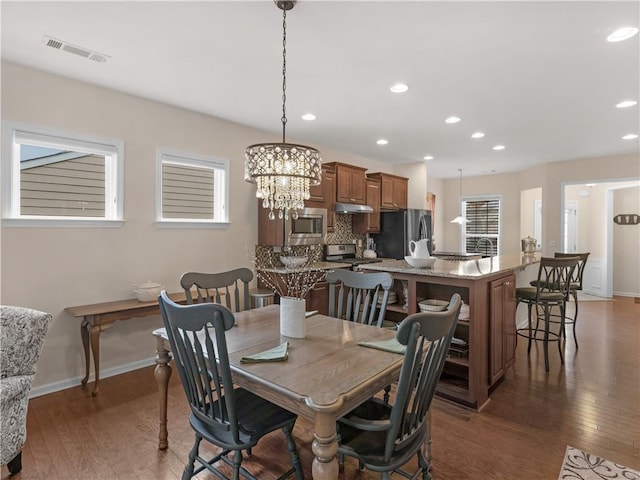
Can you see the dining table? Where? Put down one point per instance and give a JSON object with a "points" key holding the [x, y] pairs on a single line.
{"points": [[326, 374]]}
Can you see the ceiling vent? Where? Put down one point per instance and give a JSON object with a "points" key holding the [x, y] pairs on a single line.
{"points": [[76, 50]]}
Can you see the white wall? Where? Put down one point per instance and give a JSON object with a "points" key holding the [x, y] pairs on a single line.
{"points": [[626, 239], [53, 268]]}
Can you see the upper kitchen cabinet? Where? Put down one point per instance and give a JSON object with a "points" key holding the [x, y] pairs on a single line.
{"points": [[351, 183], [369, 222], [393, 190], [323, 195]]}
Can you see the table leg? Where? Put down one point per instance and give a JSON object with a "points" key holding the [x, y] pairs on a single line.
{"points": [[84, 334], [95, 348], [162, 373], [325, 447]]}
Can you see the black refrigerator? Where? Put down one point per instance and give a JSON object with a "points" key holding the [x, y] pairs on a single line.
{"points": [[398, 228]]}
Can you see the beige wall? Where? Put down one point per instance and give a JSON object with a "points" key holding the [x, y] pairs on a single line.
{"points": [[528, 199], [417, 173], [53, 268], [626, 239]]}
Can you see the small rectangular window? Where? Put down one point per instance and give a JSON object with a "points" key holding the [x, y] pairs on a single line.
{"points": [[51, 177], [482, 231], [191, 189]]}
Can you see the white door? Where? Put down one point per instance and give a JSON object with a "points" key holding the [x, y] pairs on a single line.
{"points": [[570, 241]]}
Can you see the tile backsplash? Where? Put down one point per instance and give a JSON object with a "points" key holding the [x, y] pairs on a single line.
{"points": [[342, 233]]}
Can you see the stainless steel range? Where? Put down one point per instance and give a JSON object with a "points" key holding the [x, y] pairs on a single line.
{"points": [[346, 253]]}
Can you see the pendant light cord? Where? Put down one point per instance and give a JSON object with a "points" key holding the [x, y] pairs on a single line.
{"points": [[284, 73]]}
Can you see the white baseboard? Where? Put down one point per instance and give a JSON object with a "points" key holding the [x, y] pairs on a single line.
{"points": [[626, 294], [75, 382]]}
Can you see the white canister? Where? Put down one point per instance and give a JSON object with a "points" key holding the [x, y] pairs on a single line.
{"points": [[292, 317]]}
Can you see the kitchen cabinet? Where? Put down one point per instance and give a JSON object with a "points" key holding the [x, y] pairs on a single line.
{"points": [[369, 222], [487, 338], [270, 232], [350, 183], [318, 298], [502, 328], [323, 195], [393, 191]]}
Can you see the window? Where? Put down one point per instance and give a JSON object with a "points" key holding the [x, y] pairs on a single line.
{"points": [[482, 231], [52, 177], [192, 190]]}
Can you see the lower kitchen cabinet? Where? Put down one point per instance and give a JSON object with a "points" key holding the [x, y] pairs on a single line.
{"points": [[485, 340], [318, 298], [502, 327]]}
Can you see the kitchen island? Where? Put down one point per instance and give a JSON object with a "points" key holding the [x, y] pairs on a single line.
{"points": [[486, 339]]}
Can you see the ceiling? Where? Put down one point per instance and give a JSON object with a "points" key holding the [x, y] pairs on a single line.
{"points": [[536, 77]]}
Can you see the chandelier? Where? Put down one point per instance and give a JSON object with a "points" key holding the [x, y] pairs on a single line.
{"points": [[283, 172]]}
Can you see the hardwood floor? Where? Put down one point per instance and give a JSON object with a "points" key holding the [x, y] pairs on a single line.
{"points": [[592, 402]]}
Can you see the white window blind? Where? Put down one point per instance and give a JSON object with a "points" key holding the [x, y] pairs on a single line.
{"points": [[482, 231], [191, 189]]}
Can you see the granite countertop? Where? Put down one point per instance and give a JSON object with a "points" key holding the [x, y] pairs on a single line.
{"points": [[469, 269], [313, 266]]}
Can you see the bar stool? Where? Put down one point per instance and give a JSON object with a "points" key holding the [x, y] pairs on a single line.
{"points": [[574, 287], [550, 290], [261, 297]]}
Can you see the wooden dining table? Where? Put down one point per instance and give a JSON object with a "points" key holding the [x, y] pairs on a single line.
{"points": [[326, 375]]}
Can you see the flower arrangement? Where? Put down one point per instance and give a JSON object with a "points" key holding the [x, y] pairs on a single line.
{"points": [[288, 280]]}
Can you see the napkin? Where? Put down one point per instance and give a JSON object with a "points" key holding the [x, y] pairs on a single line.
{"points": [[275, 354], [392, 345]]}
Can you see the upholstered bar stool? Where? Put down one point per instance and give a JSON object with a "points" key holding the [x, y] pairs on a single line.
{"points": [[551, 290]]}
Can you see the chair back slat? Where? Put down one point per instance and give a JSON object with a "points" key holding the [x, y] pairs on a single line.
{"points": [[359, 297], [197, 336], [427, 336], [229, 288]]}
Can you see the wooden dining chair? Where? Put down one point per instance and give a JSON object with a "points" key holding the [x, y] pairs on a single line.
{"points": [[229, 417], [384, 437], [358, 296], [228, 288]]}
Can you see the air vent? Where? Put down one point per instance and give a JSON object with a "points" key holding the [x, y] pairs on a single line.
{"points": [[75, 49]]}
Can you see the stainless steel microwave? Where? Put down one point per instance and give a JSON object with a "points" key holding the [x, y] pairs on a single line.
{"points": [[309, 228]]}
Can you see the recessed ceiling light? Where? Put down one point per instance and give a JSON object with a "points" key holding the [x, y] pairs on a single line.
{"points": [[453, 120], [399, 88], [626, 104], [630, 136], [382, 141], [499, 147], [428, 157], [622, 33], [477, 135], [308, 116]]}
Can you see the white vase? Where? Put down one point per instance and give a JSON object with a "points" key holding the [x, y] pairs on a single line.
{"points": [[292, 316]]}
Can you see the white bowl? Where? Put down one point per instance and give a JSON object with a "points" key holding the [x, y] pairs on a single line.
{"points": [[293, 261], [420, 262]]}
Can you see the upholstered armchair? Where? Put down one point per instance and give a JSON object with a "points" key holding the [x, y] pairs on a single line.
{"points": [[22, 333]]}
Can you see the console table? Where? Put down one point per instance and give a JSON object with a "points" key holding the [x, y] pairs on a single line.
{"points": [[100, 316]]}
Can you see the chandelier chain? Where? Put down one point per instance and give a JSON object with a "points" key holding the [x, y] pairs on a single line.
{"points": [[284, 73]]}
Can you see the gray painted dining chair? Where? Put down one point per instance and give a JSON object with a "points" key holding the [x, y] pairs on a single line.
{"points": [[358, 296], [384, 437], [226, 416], [227, 288]]}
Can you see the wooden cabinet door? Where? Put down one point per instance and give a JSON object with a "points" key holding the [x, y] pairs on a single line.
{"points": [[400, 187], [350, 184], [369, 222], [502, 328], [270, 232], [386, 192], [329, 180], [318, 298]]}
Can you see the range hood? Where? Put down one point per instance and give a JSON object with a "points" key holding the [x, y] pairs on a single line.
{"points": [[352, 208]]}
